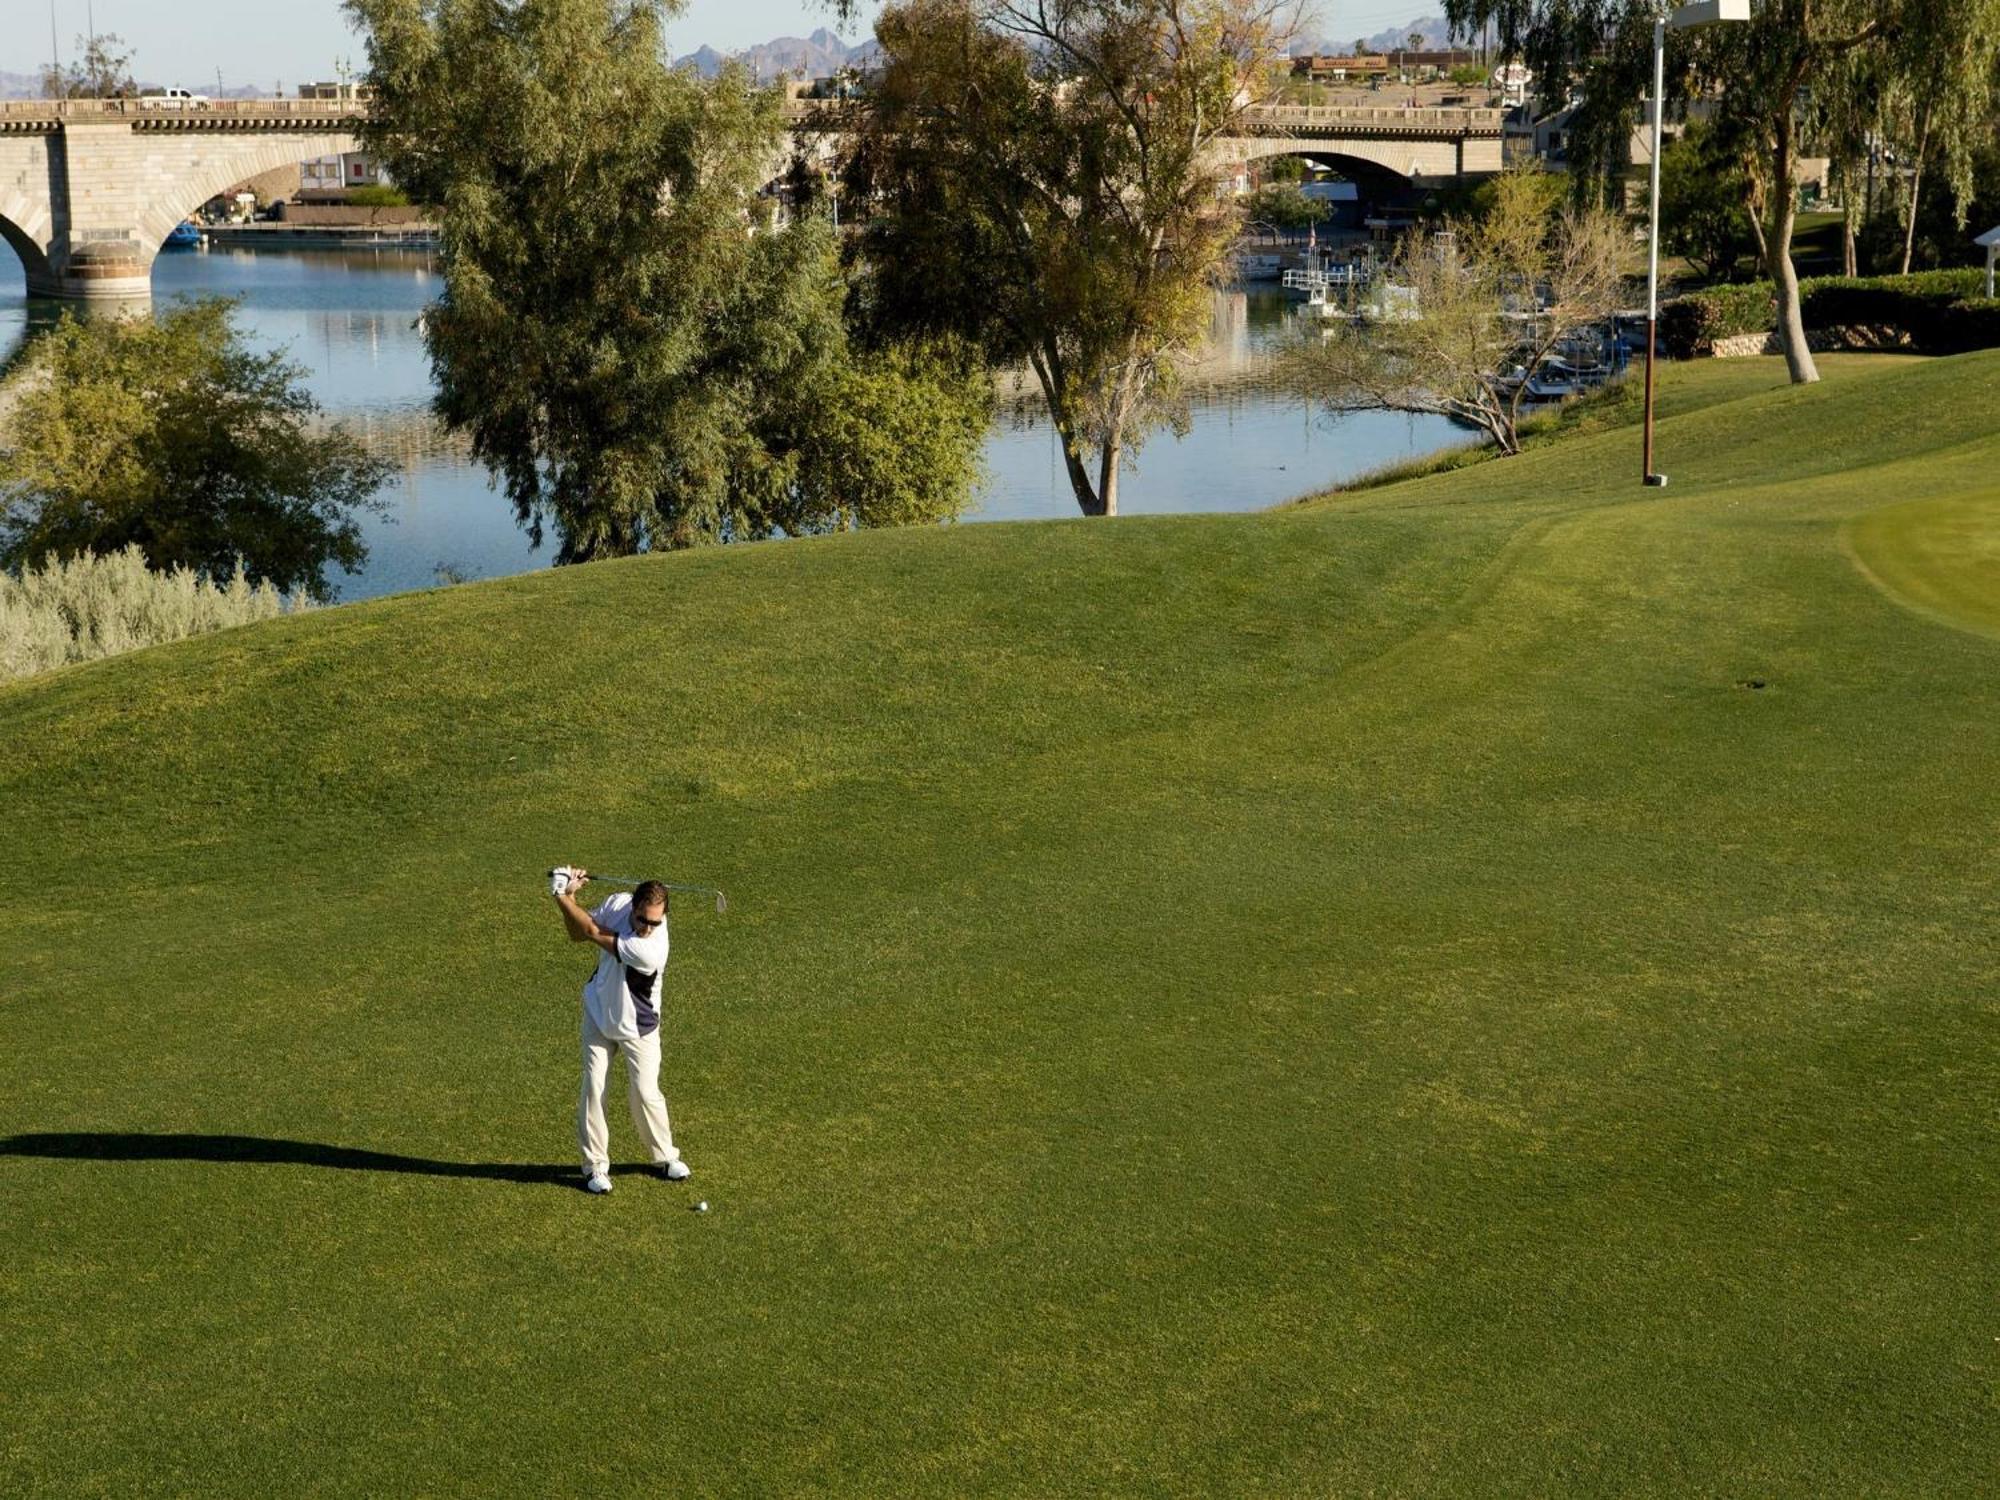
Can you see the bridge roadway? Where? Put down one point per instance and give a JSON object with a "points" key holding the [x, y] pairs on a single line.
{"points": [[89, 188]]}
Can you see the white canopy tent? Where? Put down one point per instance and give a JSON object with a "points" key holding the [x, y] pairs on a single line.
{"points": [[1990, 243]]}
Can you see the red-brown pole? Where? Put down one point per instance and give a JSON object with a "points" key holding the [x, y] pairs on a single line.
{"points": [[1652, 342]]}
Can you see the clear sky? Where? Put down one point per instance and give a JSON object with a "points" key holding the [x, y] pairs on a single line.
{"points": [[264, 41]]}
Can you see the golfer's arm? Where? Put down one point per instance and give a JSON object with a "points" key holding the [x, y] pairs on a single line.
{"points": [[581, 928]]}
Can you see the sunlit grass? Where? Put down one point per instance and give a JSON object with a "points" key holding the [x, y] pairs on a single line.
{"points": [[1481, 986]]}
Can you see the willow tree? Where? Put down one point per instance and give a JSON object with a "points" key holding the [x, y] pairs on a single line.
{"points": [[635, 351], [1760, 77], [1040, 175], [1942, 62]]}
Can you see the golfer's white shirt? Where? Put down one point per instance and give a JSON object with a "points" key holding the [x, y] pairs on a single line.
{"points": [[623, 996]]}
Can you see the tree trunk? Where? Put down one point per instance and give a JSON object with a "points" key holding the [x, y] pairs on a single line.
{"points": [[1916, 191], [1087, 500], [1113, 448], [1784, 276], [1848, 264], [1079, 477], [1107, 475]]}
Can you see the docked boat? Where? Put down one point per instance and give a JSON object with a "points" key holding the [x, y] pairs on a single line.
{"points": [[183, 236], [1320, 281]]}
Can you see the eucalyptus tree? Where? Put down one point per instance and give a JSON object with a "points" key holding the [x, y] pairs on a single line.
{"points": [[102, 70], [636, 350], [1761, 79], [1040, 175]]}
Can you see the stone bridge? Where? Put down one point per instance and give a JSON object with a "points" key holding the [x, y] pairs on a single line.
{"points": [[90, 188], [1428, 143]]}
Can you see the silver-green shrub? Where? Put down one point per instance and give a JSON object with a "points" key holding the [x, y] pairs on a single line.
{"points": [[92, 606]]}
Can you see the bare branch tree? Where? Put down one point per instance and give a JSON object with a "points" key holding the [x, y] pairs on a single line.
{"points": [[1469, 317]]}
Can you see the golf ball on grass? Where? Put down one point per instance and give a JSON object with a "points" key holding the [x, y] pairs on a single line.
{"points": [[701, 1207]]}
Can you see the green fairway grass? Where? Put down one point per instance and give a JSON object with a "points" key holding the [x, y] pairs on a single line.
{"points": [[1484, 986], [1938, 553]]}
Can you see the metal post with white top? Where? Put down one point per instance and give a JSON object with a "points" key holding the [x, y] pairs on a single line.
{"points": [[1686, 17]]}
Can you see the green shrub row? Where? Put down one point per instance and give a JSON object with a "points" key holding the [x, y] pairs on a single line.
{"points": [[1942, 311], [1693, 324], [94, 606]]}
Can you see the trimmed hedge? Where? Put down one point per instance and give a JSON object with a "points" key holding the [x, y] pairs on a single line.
{"points": [[1942, 311], [1692, 324]]}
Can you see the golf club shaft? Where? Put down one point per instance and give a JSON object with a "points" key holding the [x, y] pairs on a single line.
{"points": [[721, 901]]}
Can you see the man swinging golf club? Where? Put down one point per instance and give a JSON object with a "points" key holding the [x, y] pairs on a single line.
{"points": [[621, 1014]]}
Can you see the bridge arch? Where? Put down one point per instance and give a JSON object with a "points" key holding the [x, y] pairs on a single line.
{"points": [[1361, 160], [1378, 183], [26, 232], [212, 172]]}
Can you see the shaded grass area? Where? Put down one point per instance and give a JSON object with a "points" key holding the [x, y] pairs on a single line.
{"points": [[1616, 406], [1364, 998]]}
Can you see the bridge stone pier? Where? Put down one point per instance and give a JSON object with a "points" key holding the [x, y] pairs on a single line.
{"points": [[89, 188]]}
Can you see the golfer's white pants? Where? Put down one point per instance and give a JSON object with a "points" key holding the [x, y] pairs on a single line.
{"points": [[642, 1090]]}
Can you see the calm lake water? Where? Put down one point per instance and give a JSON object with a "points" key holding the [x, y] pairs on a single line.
{"points": [[349, 318]]}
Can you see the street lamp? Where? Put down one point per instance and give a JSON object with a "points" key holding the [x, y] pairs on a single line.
{"points": [[1682, 18]]}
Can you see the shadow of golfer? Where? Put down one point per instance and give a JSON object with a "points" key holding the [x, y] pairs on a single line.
{"points": [[132, 1146]]}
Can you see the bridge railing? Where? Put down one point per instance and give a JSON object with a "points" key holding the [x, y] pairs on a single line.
{"points": [[1374, 117], [275, 110], [1257, 116]]}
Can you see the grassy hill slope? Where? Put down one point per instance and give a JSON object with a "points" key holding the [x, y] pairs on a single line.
{"points": [[1485, 986]]}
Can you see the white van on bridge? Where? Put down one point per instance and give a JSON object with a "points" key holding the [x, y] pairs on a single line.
{"points": [[173, 99]]}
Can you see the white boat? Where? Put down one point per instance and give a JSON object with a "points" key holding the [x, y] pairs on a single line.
{"points": [[1326, 301]]}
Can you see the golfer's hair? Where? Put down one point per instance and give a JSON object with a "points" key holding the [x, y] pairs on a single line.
{"points": [[650, 891]]}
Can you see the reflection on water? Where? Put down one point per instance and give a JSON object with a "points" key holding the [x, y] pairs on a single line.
{"points": [[350, 318]]}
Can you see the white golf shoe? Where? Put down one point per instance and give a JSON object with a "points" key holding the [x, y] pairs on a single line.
{"points": [[597, 1182], [676, 1170]]}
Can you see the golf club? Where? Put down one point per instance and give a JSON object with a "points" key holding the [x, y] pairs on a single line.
{"points": [[721, 901]]}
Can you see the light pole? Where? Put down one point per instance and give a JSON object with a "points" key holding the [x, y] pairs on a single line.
{"points": [[1682, 18]]}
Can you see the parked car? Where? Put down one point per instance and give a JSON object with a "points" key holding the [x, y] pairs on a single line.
{"points": [[173, 99]]}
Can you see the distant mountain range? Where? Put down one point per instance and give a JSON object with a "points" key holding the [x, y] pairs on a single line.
{"points": [[820, 55], [1433, 29]]}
